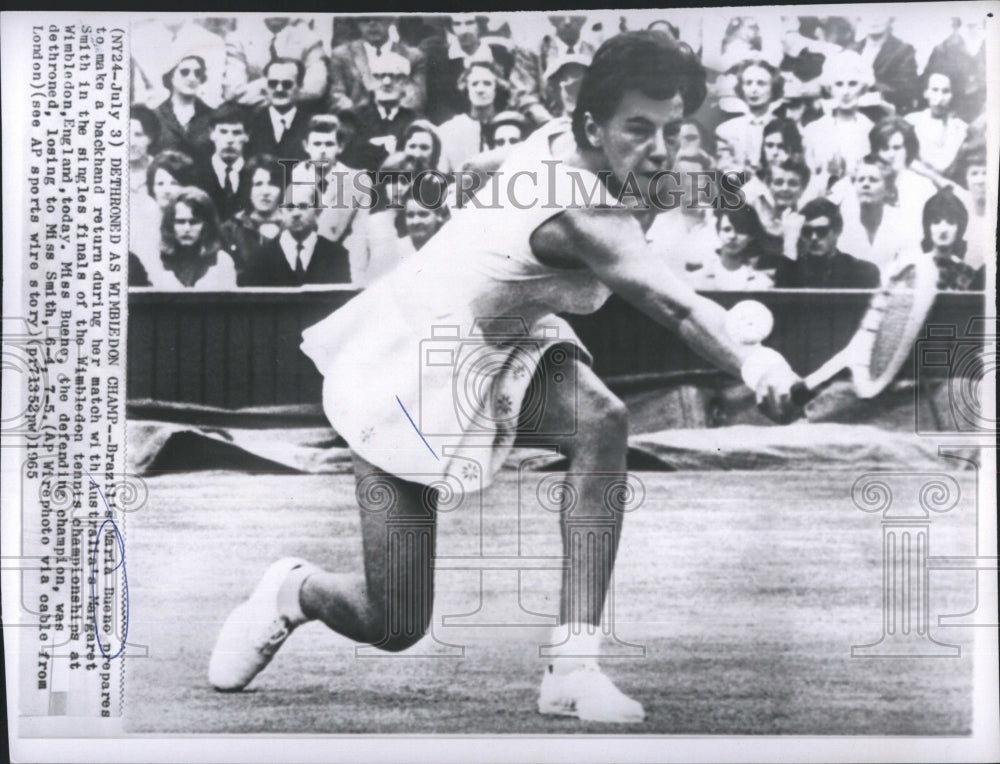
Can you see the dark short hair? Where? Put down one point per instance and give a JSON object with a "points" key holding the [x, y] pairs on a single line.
{"points": [[777, 81], [792, 164], [150, 125], [228, 114], [323, 123], [823, 208], [300, 69], [648, 61], [879, 136], [789, 132], [169, 74], [944, 205], [178, 164], [744, 219]]}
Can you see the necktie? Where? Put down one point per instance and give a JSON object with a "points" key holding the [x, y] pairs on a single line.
{"points": [[300, 271], [282, 127], [227, 187], [569, 50], [378, 51]]}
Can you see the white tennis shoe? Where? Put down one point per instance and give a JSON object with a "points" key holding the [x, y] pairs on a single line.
{"points": [[588, 694], [255, 630]]}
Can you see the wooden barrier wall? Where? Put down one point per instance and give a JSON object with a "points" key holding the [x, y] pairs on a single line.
{"points": [[240, 349]]}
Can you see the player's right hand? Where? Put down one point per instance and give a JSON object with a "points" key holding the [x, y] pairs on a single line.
{"points": [[772, 379]]}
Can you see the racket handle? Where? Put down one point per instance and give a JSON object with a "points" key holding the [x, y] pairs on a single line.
{"points": [[801, 394]]}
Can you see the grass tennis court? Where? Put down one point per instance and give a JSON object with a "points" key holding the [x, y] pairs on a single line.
{"points": [[746, 591]]}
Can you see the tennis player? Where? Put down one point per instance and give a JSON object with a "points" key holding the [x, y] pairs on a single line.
{"points": [[482, 295]]}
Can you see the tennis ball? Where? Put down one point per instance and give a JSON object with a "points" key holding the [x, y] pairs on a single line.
{"points": [[749, 322]]}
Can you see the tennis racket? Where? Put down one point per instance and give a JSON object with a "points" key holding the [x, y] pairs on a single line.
{"points": [[887, 332]]}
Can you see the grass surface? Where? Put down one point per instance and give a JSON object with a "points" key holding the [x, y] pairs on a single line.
{"points": [[746, 592]]}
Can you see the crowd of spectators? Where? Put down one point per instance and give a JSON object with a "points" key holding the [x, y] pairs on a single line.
{"points": [[320, 150]]}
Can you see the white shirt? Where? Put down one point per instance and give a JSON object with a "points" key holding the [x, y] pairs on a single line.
{"points": [[371, 52], [746, 135], [685, 242], [830, 137], [234, 171], [281, 122], [940, 139], [897, 233], [290, 247]]}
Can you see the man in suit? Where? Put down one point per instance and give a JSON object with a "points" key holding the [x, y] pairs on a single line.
{"points": [[820, 265], [383, 119], [351, 81], [222, 177], [280, 125], [299, 255], [893, 61]]}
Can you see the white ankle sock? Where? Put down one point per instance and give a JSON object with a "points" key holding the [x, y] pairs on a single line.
{"points": [[574, 645]]}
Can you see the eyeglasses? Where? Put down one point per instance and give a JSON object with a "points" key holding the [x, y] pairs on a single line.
{"points": [[388, 75], [186, 72], [281, 84], [817, 231]]}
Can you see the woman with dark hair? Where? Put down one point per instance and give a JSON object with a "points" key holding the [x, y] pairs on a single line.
{"points": [[486, 94], [781, 141], [258, 222], [422, 143], [946, 221], [894, 142], [190, 251], [183, 115], [694, 137], [425, 210], [144, 143], [739, 257], [488, 286], [167, 173]]}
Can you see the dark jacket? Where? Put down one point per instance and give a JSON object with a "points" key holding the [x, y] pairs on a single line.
{"points": [[895, 69], [226, 205], [267, 266], [350, 77], [367, 151], [969, 75], [192, 140], [291, 144], [838, 271]]}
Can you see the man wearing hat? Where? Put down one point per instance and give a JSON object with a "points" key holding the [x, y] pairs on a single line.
{"points": [[351, 81], [562, 43]]}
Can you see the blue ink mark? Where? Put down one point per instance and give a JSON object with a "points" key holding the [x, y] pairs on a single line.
{"points": [[417, 429], [93, 574]]}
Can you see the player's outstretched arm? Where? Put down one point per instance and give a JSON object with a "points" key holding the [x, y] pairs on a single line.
{"points": [[610, 242]]}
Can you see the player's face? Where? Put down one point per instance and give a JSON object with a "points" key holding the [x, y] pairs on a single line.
{"points": [[869, 184], [187, 77], [187, 225], [507, 135], [229, 141], [938, 94], [264, 193], [165, 188], [138, 147], [322, 147], [846, 88], [943, 233], [818, 237], [786, 187], [774, 149], [640, 139], [893, 153], [482, 84], [420, 146], [731, 241], [282, 85], [756, 85], [975, 181]]}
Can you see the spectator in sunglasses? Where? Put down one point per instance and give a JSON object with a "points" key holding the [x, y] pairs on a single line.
{"points": [[383, 119], [279, 126], [820, 265], [183, 115]]}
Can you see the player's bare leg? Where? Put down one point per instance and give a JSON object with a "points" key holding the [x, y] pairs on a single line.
{"points": [[591, 526], [389, 606]]}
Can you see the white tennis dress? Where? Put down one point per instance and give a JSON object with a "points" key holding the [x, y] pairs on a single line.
{"points": [[426, 372]]}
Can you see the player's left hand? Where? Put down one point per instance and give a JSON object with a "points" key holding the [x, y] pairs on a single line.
{"points": [[771, 378]]}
